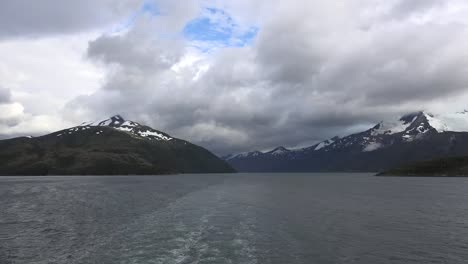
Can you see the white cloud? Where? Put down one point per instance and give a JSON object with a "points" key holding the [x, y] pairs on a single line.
{"points": [[315, 68], [25, 18], [11, 113], [41, 76]]}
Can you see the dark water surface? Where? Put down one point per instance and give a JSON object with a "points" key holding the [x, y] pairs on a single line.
{"points": [[239, 218]]}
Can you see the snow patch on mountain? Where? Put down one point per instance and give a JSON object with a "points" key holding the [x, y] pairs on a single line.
{"points": [[324, 144], [456, 122], [436, 123], [129, 124], [279, 151], [148, 133], [390, 128], [248, 154], [119, 123]]}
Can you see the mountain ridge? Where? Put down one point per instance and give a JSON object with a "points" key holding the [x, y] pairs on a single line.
{"points": [[385, 140], [113, 146]]}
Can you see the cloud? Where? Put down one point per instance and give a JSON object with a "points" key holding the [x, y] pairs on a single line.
{"points": [[309, 70], [134, 52], [11, 114], [25, 18], [5, 95], [314, 69], [14, 122], [404, 8], [42, 74]]}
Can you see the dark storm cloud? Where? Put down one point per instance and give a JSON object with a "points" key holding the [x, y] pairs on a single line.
{"points": [[5, 95], [23, 18], [313, 72], [134, 52], [405, 8]]}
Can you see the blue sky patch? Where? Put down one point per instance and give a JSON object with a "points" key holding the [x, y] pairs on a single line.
{"points": [[213, 29], [218, 28], [149, 8]]}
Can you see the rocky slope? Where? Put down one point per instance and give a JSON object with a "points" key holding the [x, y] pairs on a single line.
{"points": [[110, 147], [413, 137]]}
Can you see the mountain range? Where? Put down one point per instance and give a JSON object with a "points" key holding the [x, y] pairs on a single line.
{"points": [[413, 137], [114, 146]]}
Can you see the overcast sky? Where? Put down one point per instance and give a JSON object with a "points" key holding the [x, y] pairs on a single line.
{"points": [[230, 75]]}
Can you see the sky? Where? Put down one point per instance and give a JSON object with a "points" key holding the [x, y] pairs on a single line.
{"points": [[230, 75]]}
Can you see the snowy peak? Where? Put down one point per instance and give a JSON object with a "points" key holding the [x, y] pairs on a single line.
{"points": [[134, 128], [411, 137], [438, 124], [114, 121], [279, 151], [408, 128], [411, 117], [454, 122], [397, 126], [422, 125], [326, 143], [411, 124], [244, 155]]}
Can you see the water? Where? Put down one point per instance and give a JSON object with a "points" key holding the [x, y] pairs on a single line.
{"points": [[241, 218]]}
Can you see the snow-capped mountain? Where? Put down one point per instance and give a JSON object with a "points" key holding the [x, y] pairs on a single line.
{"points": [[406, 134], [119, 123], [411, 127], [108, 147], [408, 128]]}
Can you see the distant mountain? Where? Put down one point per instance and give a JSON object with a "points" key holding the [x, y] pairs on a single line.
{"points": [[413, 137], [113, 146], [446, 167]]}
